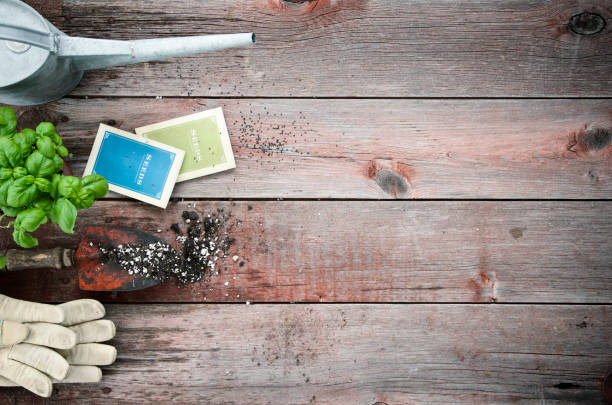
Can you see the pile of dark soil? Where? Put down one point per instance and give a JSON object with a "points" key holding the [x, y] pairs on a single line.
{"points": [[205, 241], [154, 260]]}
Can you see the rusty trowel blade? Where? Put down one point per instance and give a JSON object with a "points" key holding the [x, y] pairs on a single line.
{"points": [[95, 276]]}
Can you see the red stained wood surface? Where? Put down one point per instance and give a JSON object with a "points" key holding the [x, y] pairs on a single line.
{"points": [[358, 133], [379, 149], [360, 251], [350, 354], [52, 10], [365, 48]]}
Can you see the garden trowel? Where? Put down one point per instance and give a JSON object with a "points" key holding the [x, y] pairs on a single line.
{"points": [[93, 274]]}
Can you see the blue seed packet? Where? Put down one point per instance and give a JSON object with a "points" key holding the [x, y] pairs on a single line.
{"points": [[134, 166]]}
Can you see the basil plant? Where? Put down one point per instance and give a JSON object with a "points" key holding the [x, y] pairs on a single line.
{"points": [[32, 188]]}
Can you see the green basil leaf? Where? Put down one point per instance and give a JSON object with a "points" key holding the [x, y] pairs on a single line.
{"points": [[56, 138], [6, 173], [24, 240], [10, 155], [45, 129], [62, 151], [20, 171], [45, 145], [54, 184], [44, 203], [42, 184], [30, 219], [69, 186], [22, 192], [59, 163], [84, 199], [24, 140], [2, 262], [10, 211], [27, 135], [8, 121], [39, 165], [96, 184], [4, 186], [64, 213]]}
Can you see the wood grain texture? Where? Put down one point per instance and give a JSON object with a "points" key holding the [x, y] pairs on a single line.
{"points": [[360, 251], [351, 354], [52, 10], [357, 48], [380, 149], [366, 139]]}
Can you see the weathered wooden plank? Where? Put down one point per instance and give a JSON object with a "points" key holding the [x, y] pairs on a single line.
{"points": [[360, 251], [351, 354], [358, 48], [378, 148], [52, 10]]}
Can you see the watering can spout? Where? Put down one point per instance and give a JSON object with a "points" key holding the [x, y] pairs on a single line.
{"points": [[39, 63], [87, 53]]}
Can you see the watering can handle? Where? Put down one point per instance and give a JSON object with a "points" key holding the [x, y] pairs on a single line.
{"points": [[28, 36]]}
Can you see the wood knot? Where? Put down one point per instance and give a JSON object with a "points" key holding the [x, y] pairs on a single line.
{"points": [[392, 177], [30, 118], [586, 23], [596, 139], [391, 182], [298, 7], [590, 140], [483, 285], [517, 233]]}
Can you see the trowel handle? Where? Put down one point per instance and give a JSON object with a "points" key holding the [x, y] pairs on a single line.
{"points": [[56, 258]]}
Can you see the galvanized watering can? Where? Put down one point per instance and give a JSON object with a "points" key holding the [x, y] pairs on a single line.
{"points": [[39, 63]]}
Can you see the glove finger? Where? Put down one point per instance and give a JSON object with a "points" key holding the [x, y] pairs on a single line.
{"points": [[80, 311], [51, 335], [90, 354], [12, 333], [5, 382], [41, 358], [25, 311], [81, 374], [27, 377], [94, 331]]}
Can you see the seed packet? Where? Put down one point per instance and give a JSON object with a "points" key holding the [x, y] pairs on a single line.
{"points": [[204, 138], [134, 166]]}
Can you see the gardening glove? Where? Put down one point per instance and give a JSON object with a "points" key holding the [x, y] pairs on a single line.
{"points": [[88, 352], [31, 330]]}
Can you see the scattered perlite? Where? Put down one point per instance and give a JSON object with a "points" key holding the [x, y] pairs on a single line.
{"points": [[205, 242], [207, 239], [156, 260]]}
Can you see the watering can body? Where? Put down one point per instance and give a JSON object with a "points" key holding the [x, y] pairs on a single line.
{"points": [[39, 63]]}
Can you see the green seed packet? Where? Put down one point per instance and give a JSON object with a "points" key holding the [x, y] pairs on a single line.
{"points": [[204, 138]]}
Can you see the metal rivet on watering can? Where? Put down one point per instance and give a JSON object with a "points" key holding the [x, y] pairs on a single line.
{"points": [[17, 47], [41, 63]]}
